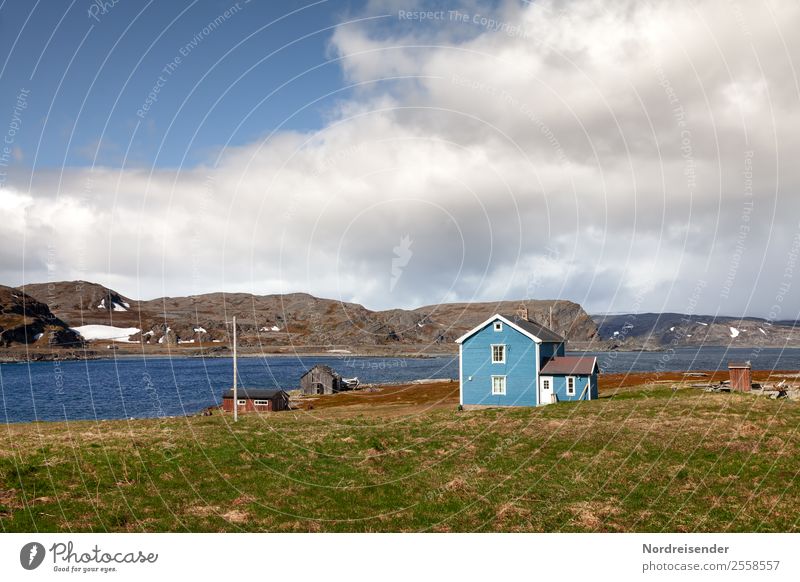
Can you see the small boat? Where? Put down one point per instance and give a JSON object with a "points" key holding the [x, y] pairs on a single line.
{"points": [[351, 383]]}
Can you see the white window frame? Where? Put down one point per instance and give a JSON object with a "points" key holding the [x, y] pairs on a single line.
{"points": [[503, 361], [499, 393], [549, 382], [261, 402], [571, 389], [498, 326], [241, 402]]}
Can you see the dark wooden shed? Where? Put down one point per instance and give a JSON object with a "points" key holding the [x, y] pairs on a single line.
{"points": [[741, 380], [256, 400], [321, 379]]}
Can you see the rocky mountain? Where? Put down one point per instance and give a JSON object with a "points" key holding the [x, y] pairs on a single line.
{"points": [[660, 330], [77, 299], [295, 320], [24, 321], [302, 322], [565, 317]]}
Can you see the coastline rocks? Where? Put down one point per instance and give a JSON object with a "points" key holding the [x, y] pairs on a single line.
{"points": [[24, 320]]}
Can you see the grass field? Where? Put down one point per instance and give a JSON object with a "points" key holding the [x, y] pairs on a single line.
{"points": [[645, 457]]}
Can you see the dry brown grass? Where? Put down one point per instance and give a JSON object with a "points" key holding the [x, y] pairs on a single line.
{"points": [[409, 398], [611, 383], [402, 458]]}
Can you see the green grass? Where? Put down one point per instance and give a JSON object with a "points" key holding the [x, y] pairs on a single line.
{"points": [[645, 460]]}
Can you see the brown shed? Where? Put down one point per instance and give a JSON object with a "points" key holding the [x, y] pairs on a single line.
{"points": [[256, 400], [321, 379], [741, 380]]}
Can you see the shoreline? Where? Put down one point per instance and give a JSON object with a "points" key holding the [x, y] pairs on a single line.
{"points": [[49, 357], [614, 380], [35, 356]]}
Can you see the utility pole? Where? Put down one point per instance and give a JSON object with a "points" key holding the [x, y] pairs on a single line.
{"points": [[235, 374]]}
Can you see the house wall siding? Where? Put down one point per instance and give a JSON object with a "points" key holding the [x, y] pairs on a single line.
{"points": [[273, 405], [741, 379], [330, 382], [560, 387], [519, 368]]}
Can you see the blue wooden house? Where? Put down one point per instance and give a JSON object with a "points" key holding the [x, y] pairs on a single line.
{"points": [[511, 361]]}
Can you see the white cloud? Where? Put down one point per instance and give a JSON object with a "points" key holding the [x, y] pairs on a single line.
{"points": [[595, 154]]}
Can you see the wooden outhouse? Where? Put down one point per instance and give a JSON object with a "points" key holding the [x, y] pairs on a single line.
{"points": [[741, 379]]}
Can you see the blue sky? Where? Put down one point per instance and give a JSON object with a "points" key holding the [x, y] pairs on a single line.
{"points": [[89, 74], [628, 156]]}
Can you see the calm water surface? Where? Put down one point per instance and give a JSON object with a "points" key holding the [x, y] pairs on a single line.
{"points": [[152, 387]]}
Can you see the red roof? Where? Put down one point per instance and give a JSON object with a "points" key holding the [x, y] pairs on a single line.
{"points": [[583, 365]]}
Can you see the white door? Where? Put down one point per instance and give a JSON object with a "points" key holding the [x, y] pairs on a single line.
{"points": [[545, 390]]}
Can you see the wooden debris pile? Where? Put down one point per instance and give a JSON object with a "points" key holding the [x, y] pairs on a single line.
{"points": [[773, 390]]}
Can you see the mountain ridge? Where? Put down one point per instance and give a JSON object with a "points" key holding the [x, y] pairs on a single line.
{"points": [[661, 330], [301, 322], [297, 320]]}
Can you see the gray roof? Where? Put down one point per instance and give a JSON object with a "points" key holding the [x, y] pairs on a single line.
{"points": [[540, 331], [566, 365], [324, 368], [254, 393]]}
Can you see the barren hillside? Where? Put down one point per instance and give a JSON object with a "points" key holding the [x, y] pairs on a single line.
{"points": [[24, 321], [296, 320]]}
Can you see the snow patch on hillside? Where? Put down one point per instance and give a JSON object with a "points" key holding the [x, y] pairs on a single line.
{"points": [[114, 305], [106, 332], [734, 332]]}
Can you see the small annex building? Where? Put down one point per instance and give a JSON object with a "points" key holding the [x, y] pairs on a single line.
{"points": [[572, 377], [321, 379], [256, 400], [512, 361]]}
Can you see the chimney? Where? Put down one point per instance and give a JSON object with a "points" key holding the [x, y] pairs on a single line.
{"points": [[522, 312]]}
